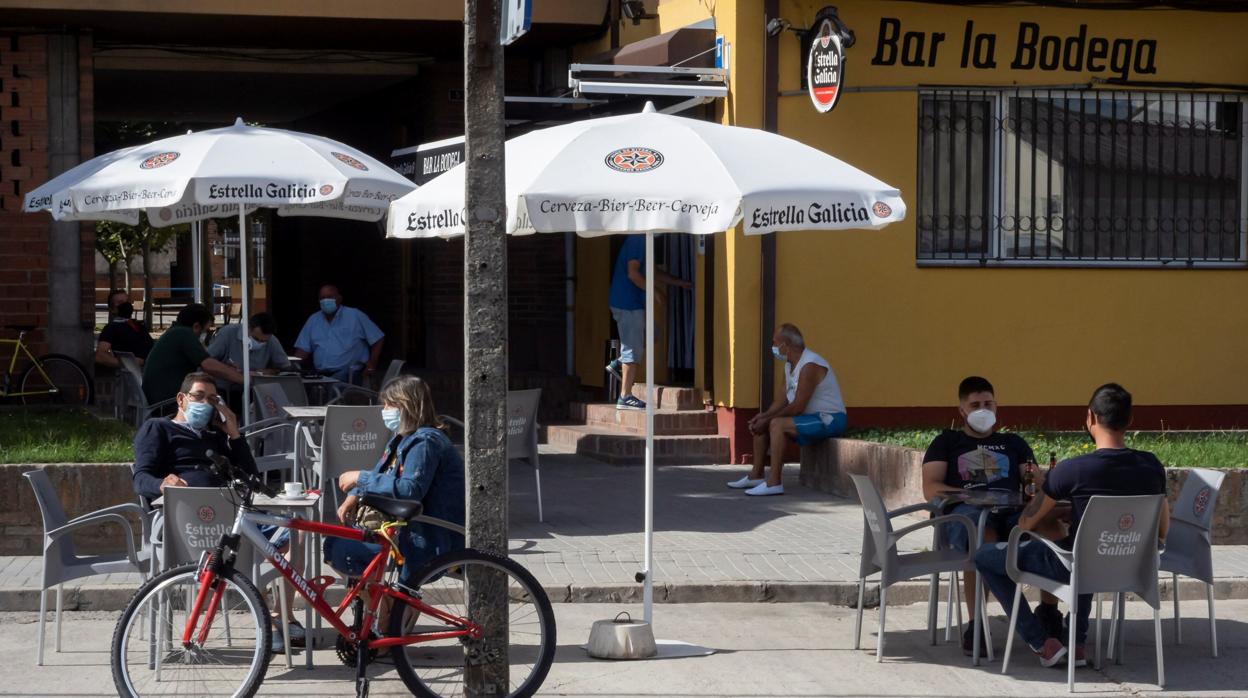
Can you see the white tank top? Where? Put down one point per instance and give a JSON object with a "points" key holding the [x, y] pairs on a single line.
{"points": [[826, 399]]}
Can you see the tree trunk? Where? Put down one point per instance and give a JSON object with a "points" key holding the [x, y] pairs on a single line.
{"points": [[112, 275]]}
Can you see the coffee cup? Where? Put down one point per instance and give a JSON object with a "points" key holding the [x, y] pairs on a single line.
{"points": [[294, 489]]}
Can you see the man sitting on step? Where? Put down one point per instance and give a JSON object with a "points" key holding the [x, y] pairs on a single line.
{"points": [[811, 409]]}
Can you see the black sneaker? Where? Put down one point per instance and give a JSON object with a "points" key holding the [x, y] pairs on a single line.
{"points": [[614, 369], [629, 402], [1050, 619], [968, 641]]}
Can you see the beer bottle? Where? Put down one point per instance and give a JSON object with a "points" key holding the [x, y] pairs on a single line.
{"points": [[1029, 480]]}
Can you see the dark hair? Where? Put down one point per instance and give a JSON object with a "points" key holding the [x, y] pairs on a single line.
{"points": [[974, 384], [1111, 403], [263, 321], [194, 314], [113, 294], [196, 377]]}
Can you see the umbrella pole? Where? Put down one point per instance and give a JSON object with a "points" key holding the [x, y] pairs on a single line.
{"points": [[648, 589], [244, 321], [197, 264]]}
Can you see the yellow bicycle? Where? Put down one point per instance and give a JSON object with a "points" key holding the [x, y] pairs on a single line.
{"points": [[49, 379]]}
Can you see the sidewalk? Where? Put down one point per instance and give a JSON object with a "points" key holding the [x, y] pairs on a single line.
{"points": [[711, 543]]}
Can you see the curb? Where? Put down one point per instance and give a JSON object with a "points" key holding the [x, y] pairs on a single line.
{"points": [[115, 597]]}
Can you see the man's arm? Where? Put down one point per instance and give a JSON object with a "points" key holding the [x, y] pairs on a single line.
{"points": [[635, 275], [277, 354], [934, 479], [104, 355], [1163, 525], [1037, 510], [806, 381], [218, 348], [149, 461], [216, 369], [374, 355]]}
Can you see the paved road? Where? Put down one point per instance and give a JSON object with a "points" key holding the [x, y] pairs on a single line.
{"points": [[796, 649], [711, 543]]}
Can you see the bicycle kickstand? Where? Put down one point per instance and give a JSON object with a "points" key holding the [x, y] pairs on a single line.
{"points": [[361, 667]]}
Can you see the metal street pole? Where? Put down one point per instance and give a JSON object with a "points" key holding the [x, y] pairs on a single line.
{"points": [[485, 341]]}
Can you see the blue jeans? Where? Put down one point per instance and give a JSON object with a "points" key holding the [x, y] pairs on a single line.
{"points": [[632, 325], [810, 427], [955, 533], [1032, 557]]}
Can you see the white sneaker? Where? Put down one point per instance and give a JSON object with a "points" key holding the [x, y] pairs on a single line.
{"points": [[745, 483], [762, 490]]}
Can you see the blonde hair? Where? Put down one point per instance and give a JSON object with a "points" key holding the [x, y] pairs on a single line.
{"points": [[415, 402]]}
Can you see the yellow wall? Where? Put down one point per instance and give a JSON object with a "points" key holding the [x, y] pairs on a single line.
{"points": [[899, 335]]}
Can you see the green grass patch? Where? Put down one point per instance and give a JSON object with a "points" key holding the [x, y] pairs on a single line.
{"points": [[1175, 449], [62, 435]]}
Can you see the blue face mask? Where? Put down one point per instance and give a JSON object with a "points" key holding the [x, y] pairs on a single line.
{"points": [[329, 306], [775, 351], [392, 418], [198, 414]]}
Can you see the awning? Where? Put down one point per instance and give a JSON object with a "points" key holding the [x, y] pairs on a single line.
{"points": [[691, 47]]}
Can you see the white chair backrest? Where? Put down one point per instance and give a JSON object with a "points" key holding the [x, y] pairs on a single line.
{"points": [[130, 364], [1199, 497], [296, 393], [392, 371], [269, 401], [195, 518], [522, 422], [1116, 546], [878, 554], [354, 438]]}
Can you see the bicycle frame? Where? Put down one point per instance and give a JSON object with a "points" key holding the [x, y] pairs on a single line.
{"points": [[246, 524], [20, 346]]}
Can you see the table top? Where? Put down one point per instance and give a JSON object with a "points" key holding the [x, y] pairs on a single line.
{"points": [[997, 500], [305, 412], [308, 501]]}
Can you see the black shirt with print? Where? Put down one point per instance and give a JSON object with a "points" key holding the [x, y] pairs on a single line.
{"points": [[994, 462]]}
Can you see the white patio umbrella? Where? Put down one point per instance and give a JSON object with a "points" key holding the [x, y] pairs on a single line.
{"points": [[225, 171], [655, 173]]}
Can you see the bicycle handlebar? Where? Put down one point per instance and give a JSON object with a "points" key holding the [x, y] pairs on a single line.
{"points": [[224, 469]]}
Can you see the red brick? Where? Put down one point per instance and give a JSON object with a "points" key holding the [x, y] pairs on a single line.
{"points": [[16, 113]]}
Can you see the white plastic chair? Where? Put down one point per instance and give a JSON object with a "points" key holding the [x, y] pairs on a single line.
{"points": [[1126, 563], [61, 560], [1189, 542], [522, 433], [880, 554]]}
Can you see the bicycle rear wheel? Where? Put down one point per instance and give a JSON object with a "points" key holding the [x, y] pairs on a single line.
{"points": [[437, 668], [66, 382], [148, 657]]}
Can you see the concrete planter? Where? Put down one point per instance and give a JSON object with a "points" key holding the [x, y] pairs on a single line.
{"points": [[896, 471]]}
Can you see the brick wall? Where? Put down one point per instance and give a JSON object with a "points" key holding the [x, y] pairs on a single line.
{"points": [[23, 166]]}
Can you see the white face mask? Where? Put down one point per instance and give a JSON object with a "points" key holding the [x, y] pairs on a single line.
{"points": [[981, 421]]}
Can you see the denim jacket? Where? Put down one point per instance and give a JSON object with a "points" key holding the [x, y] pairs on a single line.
{"points": [[429, 469]]}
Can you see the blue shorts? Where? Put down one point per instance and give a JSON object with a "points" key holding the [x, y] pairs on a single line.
{"points": [[811, 428], [955, 533], [632, 324]]}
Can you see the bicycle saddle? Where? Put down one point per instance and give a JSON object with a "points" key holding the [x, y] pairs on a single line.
{"points": [[404, 509]]}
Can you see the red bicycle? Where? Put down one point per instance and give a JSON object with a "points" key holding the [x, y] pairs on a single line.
{"points": [[205, 630]]}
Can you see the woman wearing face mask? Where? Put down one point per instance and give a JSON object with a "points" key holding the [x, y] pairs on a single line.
{"points": [[420, 463]]}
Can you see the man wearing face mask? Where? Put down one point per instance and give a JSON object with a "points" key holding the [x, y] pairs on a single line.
{"points": [[266, 351], [173, 452], [122, 333], [975, 456], [342, 342], [810, 410], [179, 351]]}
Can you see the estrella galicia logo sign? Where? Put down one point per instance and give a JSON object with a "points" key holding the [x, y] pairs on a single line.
{"points": [[1202, 502], [824, 67], [359, 425], [636, 159], [881, 209], [349, 161], [159, 160], [1126, 521], [327, 189], [207, 514]]}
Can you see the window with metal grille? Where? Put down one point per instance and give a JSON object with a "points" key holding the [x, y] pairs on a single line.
{"points": [[1077, 177]]}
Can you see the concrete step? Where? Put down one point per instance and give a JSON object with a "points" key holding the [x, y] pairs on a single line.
{"points": [[673, 398], [619, 448], [666, 422]]}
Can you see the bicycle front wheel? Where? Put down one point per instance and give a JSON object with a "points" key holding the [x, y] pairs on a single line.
{"points": [[437, 668], [62, 381], [149, 657]]}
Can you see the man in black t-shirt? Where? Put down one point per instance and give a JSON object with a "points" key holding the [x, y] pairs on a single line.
{"points": [[974, 457], [122, 333], [1112, 469]]}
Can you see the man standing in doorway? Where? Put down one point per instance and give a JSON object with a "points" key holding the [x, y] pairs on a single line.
{"points": [[342, 342], [628, 306]]}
